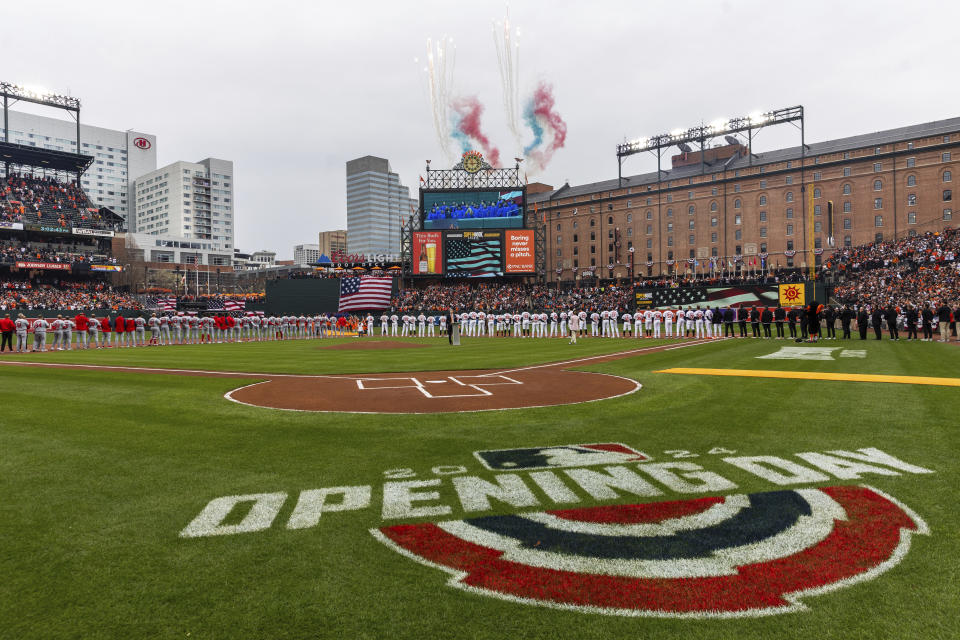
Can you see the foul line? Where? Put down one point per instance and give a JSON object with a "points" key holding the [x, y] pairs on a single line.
{"points": [[815, 375]]}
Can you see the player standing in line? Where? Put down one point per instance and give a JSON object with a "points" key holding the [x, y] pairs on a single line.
{"points": [[681, 322], [165, 329], [393, 325], [154, 324], [615, 322], [105, 333], [176, 326], [421, 325], [67, 333], [384, 324], [574, 327], [140, 327], [563, 324], [481, 323], [21, 326], [657, 318], [443, 324], [594, 324], [82, 323], [627, 327], [514, 323], [93, 331], [668, 316], [554, 321], [716, 319], [56, 327], [431, 326], [638, 324], [604, 324], [40, 326], [648, 323], [697, 323], [491, 324], [708, 322]]}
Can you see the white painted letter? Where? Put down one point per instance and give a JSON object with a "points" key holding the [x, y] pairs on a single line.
{"points": [[553, 487], [760, 467], [314, 502], [841, 468], [474, 492], [876, 456], [708, 481], [398, 499], [265, 508], [598, 484]]}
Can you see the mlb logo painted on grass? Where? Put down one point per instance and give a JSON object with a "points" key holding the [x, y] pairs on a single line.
{"points": [[560, 456]]}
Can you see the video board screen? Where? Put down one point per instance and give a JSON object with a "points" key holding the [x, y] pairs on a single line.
{"points": [[427, 253], [473, 254], [519, 251], [486, 209]]}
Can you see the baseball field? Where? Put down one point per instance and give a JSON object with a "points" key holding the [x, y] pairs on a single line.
{"points": [[359, 488]]}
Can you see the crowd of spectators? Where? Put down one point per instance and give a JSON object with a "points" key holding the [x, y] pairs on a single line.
{"points": [[508, 297], [919, 269], [12, 251], [46, 200], [30, 294]]}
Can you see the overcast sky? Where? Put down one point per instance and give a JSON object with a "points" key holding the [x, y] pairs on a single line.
{"points": [[289, 91]]}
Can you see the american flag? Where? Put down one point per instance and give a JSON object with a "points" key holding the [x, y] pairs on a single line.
{"points": [[476, 258], [739, 296], [167, 304], [214, 305], [680, 297], [234, 305], [365, 292]]}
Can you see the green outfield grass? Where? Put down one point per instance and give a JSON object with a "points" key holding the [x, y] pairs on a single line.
{"points": [[101, 471]]}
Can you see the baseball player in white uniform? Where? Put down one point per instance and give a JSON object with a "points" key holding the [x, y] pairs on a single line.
{"points": [[681, 322], [668, 316], [627, 330]]}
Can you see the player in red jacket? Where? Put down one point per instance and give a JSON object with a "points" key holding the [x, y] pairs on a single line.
{"points": [[82, 326], [105, 335], [231, 322], [129, 327], [120, 328]]}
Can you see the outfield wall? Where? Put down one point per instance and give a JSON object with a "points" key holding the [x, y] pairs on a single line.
{"points": [[306, 296]]}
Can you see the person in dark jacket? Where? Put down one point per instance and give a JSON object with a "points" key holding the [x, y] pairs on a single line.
{"points": [[812, 319], [830, 318], [755, 321], [766, 317], [742, 321], [863, 321], [926, 319], [890, 315], [792, 321], [845, 315], [729, 316], [943, 321], [877, 318], [912, 316], [779, 315]]}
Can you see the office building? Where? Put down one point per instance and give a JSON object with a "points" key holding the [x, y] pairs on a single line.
{"points": [[306, 254], [376, 203]]}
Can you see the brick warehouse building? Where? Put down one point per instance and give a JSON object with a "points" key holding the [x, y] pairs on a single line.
{"points": [[888, 184]]}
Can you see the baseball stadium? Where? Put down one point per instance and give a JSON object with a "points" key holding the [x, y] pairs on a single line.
{"points": [[513, 429]]}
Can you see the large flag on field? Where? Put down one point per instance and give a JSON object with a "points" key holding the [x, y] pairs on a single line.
{"points": [[715, 297], [234, 305], [365, 292]]}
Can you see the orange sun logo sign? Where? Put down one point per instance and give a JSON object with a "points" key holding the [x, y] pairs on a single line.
{"points": [[792, 295]]}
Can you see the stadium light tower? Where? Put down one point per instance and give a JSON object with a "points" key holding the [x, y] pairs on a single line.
{"points": [[13, 93], [703, 134]]}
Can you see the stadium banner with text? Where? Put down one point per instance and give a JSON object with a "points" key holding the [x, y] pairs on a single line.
{"points": [[77, 231], [472, 209], [10, 225], [47, 228], [519, 251], [473, 254], [106, 267], [54, 266], [792, 295], [427, 253]]}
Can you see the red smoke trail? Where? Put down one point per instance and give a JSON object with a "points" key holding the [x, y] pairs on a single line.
{"points": [[469, 110], [543, 103]]}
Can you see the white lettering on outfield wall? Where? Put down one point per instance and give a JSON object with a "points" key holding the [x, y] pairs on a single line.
{"points": [[423, 498]]}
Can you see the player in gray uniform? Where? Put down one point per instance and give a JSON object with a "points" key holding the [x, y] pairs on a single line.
{"points": [[154, 323], [140, 324], [176, 322], [165, 330], [40, 326], [68, 326], [56, 327], [93, 331], [22, 325]]}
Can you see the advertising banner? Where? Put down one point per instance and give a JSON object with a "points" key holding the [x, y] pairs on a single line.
{"points": [[11, 225], [56, 266], [792, 295], [519, 248], [106, 267], [427, 253], [77, 231]]}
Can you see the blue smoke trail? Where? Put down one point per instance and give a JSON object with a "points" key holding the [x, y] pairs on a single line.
{"points": [[457, 134], [531, 119]]}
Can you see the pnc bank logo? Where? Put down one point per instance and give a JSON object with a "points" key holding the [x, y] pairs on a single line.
{"points": [[142, 143]]}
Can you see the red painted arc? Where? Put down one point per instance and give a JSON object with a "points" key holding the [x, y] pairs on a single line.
{"points": [[649, 513], [866, 539]]}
